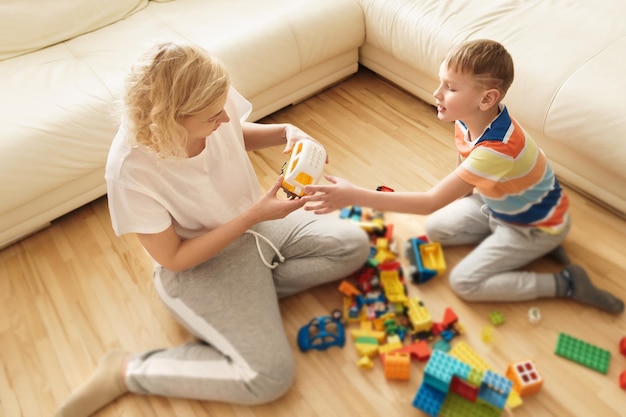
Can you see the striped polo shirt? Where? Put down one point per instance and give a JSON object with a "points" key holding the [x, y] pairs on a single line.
{"points": [[512, 174]]}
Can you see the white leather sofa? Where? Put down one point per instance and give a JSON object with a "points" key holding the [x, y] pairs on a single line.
{"points": [[570, 61], [62, 68]]}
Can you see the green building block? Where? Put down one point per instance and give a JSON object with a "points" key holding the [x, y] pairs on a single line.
{"points": [[456, 406], [496, 317], [583, 353]]}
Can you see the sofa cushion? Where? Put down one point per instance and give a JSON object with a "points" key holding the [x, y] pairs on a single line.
{"points": [[25, 27], [58, 104], [568, 72]]}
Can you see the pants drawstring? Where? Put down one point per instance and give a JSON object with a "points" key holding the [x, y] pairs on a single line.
{"points": [[256, 235]]}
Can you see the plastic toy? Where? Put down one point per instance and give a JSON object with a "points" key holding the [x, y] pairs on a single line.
{"points": [[534, 315], [583, 353], [496, 317], [321, 333], [451, 388], [525, 377], [622, 380], [463, 352], [397, 365], [305, 167], [622, 346], [385, 189], [486, 334], [425, 258]]}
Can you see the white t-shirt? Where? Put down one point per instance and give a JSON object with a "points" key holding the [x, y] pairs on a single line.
{"points": [[147, 193]]}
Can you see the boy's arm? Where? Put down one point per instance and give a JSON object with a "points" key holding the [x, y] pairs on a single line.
{"points": [[341, 193]]}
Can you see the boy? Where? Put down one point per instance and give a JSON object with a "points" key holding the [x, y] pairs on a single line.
{"points": [[519, 211]]}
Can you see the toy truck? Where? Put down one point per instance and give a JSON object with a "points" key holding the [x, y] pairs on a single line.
{"points": [[305, 167]]}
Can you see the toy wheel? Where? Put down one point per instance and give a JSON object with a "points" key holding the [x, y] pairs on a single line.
{"points": [[337, 315]]}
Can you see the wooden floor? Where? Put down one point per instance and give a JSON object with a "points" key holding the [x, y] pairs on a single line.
{"points": [[75, 290]]}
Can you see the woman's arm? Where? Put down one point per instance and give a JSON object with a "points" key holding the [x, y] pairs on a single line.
{"points": [[259, 136], [177, 254]]}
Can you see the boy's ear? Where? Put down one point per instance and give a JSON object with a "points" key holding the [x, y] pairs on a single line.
{"points": [[490, 98]]}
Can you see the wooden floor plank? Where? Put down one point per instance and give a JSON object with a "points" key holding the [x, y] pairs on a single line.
{"points": [[75, 290]]}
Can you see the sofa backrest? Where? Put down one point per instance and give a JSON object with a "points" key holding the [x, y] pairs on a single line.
{"points": [[28, 25]]}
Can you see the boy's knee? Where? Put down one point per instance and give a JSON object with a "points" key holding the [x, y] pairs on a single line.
{"points": [[462, 285], [434, 230]]}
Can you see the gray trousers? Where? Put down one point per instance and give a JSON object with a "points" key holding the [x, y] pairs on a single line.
{"points": [[491, 272], [230, 303]]}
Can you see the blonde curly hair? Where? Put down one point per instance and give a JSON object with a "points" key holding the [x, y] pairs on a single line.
{"points": [[170, 81]]}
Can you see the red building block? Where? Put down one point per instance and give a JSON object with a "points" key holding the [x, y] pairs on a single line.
{"points": [[622, 346], [449, 317], [419, 350], [464, 389], [622, 380]]}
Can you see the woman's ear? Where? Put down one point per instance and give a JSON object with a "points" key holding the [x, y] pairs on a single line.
{"points": [[490, 98]]}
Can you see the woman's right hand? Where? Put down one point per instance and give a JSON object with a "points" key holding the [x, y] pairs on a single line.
{"points": [[271, 207]]}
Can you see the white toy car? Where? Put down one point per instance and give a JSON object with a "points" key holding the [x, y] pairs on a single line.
{"points": [[305, 167]]}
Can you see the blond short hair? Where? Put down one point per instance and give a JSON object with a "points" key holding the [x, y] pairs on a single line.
{"points": [[168, 82], [487, 61]]}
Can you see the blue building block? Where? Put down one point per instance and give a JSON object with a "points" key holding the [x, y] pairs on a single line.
{"points": [[441, 368], [441, 345], [495, 389], [429, 400]]}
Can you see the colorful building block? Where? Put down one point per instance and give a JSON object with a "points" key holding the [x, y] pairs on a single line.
{"points": [[525, 377], [622, 380], [426, 260], [441, 368], [583, 353], [534, 315], [465, 353], [456, 406], [622, 346], [496, 317], [486, 334], [429, 400], [494, 389], [451, 388], [397, 365], [419, 350], [419, 316], [441, 345]]}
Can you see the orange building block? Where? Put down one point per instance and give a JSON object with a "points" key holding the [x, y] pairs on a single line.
{"points": [[526, 380], [397, 365], [348, 289]]}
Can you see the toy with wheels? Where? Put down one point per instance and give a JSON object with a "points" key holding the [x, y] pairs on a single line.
{"points": [[305, 167], [425, 259], [322, 332]]}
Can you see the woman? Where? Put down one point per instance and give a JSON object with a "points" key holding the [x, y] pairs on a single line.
{"points": [[179, 177]]}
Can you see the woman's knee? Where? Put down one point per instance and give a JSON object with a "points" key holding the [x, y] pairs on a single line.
{"points": [[273, 379]]}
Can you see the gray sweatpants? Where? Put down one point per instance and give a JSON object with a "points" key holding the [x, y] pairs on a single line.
{"points": [[230, 303], [491, 271]]}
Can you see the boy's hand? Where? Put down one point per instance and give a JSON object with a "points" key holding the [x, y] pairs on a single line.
{"points": [[331, 197]]}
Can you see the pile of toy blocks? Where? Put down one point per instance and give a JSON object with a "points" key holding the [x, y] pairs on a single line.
{"points": [[392, 325], [460, 383]]}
